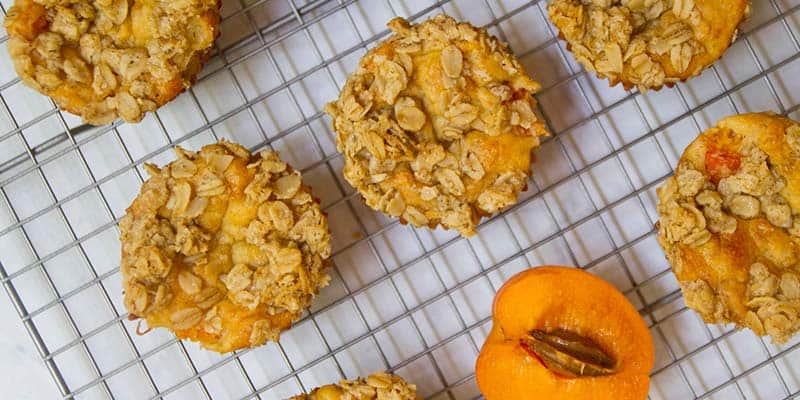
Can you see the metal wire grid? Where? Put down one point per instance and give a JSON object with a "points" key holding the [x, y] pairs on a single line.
{"points": [[431, 364]]}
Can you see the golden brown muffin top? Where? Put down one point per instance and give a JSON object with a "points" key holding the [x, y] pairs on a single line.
{"points": [[223, 247], [730, 224], [379, 386], [648, 43], [103, 59], [437, 124]]}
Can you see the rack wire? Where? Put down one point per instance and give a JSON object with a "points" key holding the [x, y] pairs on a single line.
{"points": [[412, 301]]}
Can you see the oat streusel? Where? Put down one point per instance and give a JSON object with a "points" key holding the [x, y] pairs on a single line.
{"points": [[648, 43], [103, 59], [223, 247], [730, 224], [437, 125], [379, 386]]}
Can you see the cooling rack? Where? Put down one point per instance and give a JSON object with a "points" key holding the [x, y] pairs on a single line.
{"points": [[412, 301]]}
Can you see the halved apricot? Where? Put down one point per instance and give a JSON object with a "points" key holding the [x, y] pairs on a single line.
{"points": [[562, 333]]}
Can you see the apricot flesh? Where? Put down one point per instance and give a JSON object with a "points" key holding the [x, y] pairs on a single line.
{"points": [[562, 299]]}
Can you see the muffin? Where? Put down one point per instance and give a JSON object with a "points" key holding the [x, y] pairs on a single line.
{"points": [[648, 43], [107, 59], [437, 125], [223, 247], [730, 224], [380, 386]]}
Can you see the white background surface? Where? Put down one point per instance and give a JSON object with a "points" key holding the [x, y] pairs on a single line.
{"points": [[414, 301], [23, 374]]}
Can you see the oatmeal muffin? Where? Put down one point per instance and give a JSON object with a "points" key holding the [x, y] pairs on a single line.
{"points": [[437, 125], [223, 247], [103, 59], [380, 386], [730, 224], [648, 43]]}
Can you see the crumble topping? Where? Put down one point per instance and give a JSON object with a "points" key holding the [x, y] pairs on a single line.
{"points": [[644, 43], [103, 59], [437, 125], [379, 386], [729, 229], [223, 247]]}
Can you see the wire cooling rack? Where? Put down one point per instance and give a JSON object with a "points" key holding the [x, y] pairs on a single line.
{"points": [[413, 301]]}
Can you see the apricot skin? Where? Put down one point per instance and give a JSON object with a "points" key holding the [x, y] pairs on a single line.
{"points": [[550, 298]]}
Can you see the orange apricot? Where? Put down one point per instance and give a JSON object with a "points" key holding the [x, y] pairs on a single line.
{"points": [[562, 333]]}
